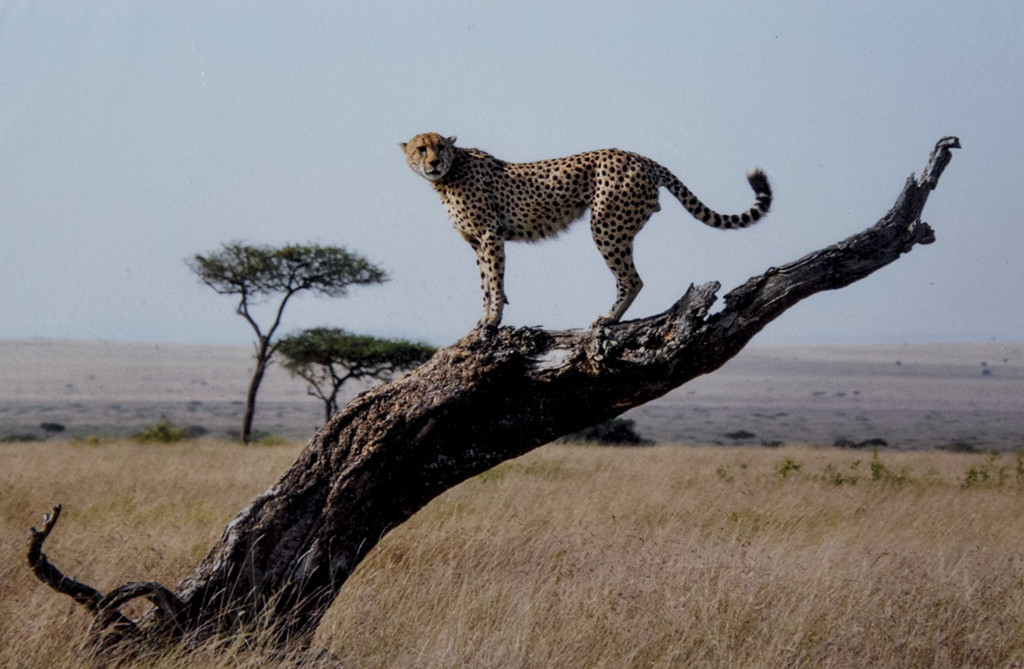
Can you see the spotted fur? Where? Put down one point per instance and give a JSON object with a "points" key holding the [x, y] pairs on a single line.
{"points": [[490, 202]]}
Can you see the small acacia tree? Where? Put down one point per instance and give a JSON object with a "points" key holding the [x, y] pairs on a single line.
{"points": [[252, 273], [329, 357]]}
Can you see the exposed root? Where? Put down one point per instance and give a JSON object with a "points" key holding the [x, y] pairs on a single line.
{"points": [[110, 627]]}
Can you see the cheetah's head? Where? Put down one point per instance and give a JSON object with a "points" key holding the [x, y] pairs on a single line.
{"points": [[429, 155]]}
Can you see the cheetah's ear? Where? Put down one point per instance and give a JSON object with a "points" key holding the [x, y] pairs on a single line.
{"points": [[402, 144], [451, 140]]}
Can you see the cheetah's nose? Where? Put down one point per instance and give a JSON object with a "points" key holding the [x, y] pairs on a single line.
{"points": [[435, 162]]}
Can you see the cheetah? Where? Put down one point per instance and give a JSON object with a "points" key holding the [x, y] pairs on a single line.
{"points": [[490, 201]]}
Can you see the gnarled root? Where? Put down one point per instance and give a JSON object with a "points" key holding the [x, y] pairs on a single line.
{"points": [[110, 627]]}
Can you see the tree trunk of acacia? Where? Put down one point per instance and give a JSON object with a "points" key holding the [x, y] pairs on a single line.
{"points": [[262, 357], [250, 399], [489, 397]]}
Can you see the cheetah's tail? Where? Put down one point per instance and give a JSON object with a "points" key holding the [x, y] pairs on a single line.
{"points": [[758, 181]]}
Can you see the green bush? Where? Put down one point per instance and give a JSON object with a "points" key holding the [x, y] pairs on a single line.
{"points": [[879, 472], [787, 467], [614, 432], [18, 438], [836, 476], [269, 440], [162, 432], [959, 447], [843, 442], [994, 474]]}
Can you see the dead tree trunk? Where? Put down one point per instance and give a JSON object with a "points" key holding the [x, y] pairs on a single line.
{"points": [[282, 560]]}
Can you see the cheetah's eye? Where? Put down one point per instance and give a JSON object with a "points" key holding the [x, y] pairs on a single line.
{"points": [[422, 150]]}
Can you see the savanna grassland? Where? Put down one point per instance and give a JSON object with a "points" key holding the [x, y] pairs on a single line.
{"points": [[571, 556]]}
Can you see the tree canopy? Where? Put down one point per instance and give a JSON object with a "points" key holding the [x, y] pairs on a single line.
{"points": [[256, 272], [329, 357], [243, 269]]}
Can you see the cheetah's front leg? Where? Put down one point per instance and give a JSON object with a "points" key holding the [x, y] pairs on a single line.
{"points": [[490, 261]]}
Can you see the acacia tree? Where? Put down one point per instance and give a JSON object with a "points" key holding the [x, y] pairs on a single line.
{"points": [[494, 395], [253, 273], [327, 358]]}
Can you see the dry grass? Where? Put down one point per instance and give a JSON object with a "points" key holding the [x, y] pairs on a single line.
{"points": [[574, 557]]}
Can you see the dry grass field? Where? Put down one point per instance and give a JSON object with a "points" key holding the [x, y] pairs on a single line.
{"points": [[572, 556]]}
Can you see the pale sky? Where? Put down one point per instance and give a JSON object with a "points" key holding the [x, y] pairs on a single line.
{"points": [[135, 134]]}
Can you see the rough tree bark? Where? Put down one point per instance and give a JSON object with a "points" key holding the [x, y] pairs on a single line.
{"points": [[489, 397]]}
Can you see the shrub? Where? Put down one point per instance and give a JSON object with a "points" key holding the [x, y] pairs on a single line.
{"points": [[835, 476], [787, 467], [162, 432], [879, 472], [959, 447], [992, 474], [843, 442], [976, 477], [614, 432], [18, 438], [269, 440]]}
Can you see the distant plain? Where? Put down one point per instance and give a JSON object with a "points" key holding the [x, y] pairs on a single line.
{"points": [[907, 396]]}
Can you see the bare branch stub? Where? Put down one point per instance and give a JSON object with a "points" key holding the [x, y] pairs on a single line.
{"points": [[106, 608], [763, 298], [44, 570], [939, 159]]}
